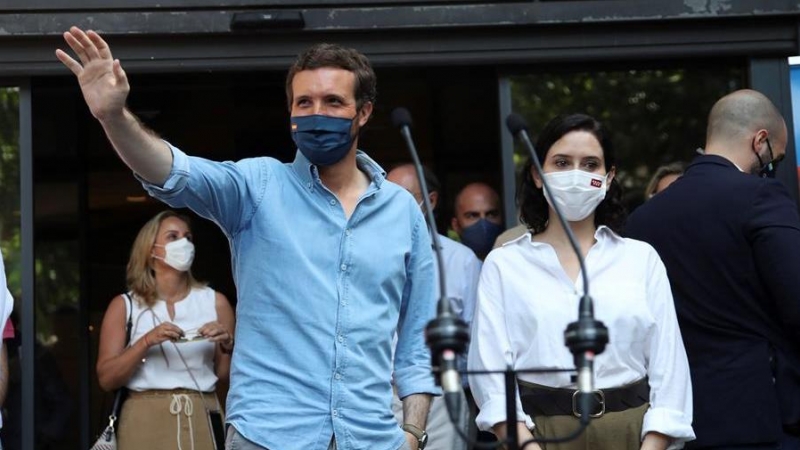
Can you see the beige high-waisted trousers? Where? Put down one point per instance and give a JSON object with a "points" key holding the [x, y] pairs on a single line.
{"points": [[163, 420]]}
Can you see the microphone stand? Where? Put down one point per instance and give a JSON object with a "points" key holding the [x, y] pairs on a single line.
{"points": [[586, 337], [446, 335]]}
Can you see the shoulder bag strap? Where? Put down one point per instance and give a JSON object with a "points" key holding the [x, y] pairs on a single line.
{"points": [[121, 391]]}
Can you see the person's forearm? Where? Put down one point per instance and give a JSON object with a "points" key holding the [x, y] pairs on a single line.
{"points": [[139, 147], [114, 373], [523, 435], [655, 441], [415, 410]]}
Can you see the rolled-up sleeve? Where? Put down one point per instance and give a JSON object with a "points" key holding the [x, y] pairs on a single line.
{"points": [[670, 411], [412, 366], [227, 193]]}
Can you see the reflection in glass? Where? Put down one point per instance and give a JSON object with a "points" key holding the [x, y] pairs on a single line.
{"points": [[10, 245]]}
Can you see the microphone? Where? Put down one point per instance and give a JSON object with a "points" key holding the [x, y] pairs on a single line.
{"points": [[447, 335], [586, 337]]}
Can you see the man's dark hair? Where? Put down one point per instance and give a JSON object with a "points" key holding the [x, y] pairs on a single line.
{"points": [[431, 181], [333, 55], [534, 210]]}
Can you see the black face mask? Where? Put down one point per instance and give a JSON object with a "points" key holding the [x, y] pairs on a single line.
{"points": [[767, 169]]}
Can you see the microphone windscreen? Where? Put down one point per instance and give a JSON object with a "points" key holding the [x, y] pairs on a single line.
{"points": [[401, 117], [515, 123]]}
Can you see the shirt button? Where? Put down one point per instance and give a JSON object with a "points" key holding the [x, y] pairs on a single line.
{"points": [[333, 202], [340, 338], [335, 413], [338, 376], [310, 185], [348, 232], [343, 267]]}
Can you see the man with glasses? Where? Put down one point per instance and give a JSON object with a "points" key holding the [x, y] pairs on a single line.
{"points": [[729, 236]]}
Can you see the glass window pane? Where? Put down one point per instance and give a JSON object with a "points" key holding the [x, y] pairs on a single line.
{"points": [[656, 116], [60, 363], [10, 244]]}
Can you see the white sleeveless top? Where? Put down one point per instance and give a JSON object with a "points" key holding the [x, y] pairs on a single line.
{"points": [[191, 313]]}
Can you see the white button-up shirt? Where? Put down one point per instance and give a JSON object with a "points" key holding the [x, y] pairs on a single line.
{"points": [[462, 269], [526, 300]]}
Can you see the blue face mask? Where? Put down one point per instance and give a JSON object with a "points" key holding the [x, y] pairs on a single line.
{"points": [[323, 140], [480, 236]]}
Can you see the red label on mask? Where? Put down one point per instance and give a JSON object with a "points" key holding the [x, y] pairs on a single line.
{"points": [[597, 183]]}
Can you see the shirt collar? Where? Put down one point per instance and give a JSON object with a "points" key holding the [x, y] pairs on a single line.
{"points": [[602, 234], [309, 173], [715, 159]]}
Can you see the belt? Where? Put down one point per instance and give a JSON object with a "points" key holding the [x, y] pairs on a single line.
{"points": [[538, 400]]}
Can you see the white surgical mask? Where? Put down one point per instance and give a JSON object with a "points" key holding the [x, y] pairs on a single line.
{"points": [[178, 254], [577, 192]]}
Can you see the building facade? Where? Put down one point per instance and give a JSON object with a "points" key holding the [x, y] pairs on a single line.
{"points": [[208, 75]]}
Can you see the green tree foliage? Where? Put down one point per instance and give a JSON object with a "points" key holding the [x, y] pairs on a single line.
{"points": [[56, 263], [9, 185], [655, 116]]}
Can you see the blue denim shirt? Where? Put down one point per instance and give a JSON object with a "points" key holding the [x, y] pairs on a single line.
{"points": [[319, 298]]}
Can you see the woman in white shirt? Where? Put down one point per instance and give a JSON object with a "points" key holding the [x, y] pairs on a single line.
{"points": [[529, 291], [180, 345]]}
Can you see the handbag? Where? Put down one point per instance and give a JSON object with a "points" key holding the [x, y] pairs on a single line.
{"points": [[108, 438]]}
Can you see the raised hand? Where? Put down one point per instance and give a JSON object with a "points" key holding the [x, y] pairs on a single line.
{"points": [[103, 82]]}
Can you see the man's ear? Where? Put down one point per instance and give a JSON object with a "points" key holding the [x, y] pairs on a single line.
{"points": [[433, 197], [364, 114], [454, 225]]}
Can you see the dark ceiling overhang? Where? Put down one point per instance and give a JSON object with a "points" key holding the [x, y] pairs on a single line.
{"points": [[183, 35]]}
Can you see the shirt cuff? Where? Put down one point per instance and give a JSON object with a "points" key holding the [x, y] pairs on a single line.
{"points": [[177, 179], [411, 381], [494, 411], [670, 422]]}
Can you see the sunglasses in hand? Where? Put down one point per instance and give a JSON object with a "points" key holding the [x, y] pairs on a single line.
{"points": [[190, 336]]}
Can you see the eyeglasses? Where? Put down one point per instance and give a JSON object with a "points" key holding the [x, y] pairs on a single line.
{"points": [[190, 336]]}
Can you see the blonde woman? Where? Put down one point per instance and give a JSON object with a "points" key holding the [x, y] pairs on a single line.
{"points": [[662, 178], [181, 342]]}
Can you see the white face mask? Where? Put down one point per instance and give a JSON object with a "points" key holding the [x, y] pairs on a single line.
{"points": [[178, 254], [577, 192]]}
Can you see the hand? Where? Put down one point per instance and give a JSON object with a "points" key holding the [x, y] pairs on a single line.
{"points": [[217, 332], [523, 435], [655, 441], [413, 443], [526, 436], [103, 82], [166, 331]]}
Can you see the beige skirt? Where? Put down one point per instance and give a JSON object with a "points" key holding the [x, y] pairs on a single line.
{"points": [[171, 419], [613, 431]]}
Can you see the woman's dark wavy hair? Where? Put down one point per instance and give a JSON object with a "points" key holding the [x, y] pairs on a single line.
{"points": [[534, 210]]}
